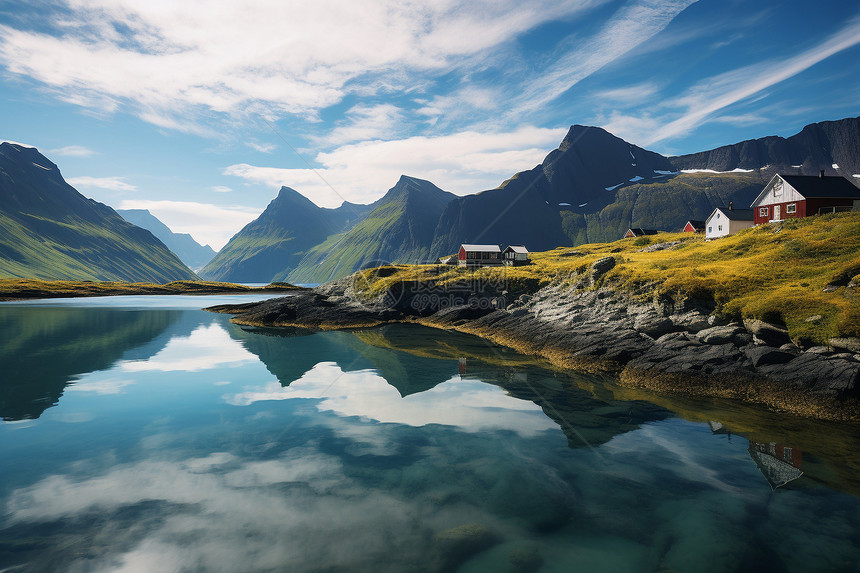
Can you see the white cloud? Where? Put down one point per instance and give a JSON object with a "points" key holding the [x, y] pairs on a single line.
{"points": [[461, 163], [221, 189], [110, 183], [72, 151], [261, 147], [207, 347], [629, 94], [470, 406], [111, 386], [208, 224], [363, 122], [173, 61]]}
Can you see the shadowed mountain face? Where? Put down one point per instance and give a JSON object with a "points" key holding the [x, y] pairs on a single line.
{"points": [[44, 349], [273, 244], [817, 146], [183, 245], [50, 231]]}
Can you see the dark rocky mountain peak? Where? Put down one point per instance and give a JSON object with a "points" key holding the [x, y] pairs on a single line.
{"points": [[828, 145]]}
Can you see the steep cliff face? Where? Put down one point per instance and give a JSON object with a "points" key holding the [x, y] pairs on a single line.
{"points": [[817, 146], [50, 231]]}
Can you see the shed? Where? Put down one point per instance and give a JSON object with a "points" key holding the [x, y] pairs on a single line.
{"points": [[722, 221], [794, 196], [515, 255], [637, 232], [694, 226], [479, 255]]}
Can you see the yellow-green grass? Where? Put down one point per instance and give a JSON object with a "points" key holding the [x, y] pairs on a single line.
{"points": [[773, 272], [17, 289]]}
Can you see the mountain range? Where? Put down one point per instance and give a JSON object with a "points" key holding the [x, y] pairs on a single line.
{"points": [[183, 245], [590, 189], [50, 231]]}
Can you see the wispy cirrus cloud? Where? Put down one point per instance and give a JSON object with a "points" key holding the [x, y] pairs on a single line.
{"points": [[73, 151], [705, 100], [109, 183], [632, 25]]}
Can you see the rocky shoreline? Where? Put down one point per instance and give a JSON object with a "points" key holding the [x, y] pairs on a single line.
{"points": [[666, 344]]}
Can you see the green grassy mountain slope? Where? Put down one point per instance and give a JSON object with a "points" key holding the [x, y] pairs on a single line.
{"points": [[273, 244], [665, 204], [50, 231], [182, 245], [400, 228]]}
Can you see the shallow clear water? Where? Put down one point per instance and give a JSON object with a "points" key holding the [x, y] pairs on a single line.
{"points": [[142, 434]]}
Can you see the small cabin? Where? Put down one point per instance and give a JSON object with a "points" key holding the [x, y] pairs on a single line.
{"points": [[793, 196], [723, 221], [479, 255], [450, 260], [694, 226], [515, 255], [637, 232]]}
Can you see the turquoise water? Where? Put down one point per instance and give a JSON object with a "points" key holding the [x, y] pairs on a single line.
{"points": [[142, 434]]}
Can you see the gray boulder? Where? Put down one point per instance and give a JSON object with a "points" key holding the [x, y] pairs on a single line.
{"points": [[600, 267], [767, 333], [847, 344], [719, 334], [762, 355]]}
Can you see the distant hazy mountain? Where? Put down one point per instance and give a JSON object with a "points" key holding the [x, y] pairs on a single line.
{"points": [[273, 244], [590, 189], [183, 245], [400, 229], [48, 230]]}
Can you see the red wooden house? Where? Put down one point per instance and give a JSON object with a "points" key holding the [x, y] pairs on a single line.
{"points": [[694, 226], [792, 196], [479, 255]]}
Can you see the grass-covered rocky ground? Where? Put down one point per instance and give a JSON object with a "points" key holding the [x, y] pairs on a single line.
{"points": [[804, 273], [21, 289]]}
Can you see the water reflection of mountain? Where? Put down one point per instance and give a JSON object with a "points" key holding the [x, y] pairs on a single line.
{"points": [[414, 359], [45, 348]]}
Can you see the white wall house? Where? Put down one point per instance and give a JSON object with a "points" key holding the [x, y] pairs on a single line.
{"points": [[727, 221]]}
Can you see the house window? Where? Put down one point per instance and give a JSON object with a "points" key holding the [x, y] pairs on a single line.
{"points": [[710, 229], [791, 208], [718, 215], [719, 227], [763, 211]]}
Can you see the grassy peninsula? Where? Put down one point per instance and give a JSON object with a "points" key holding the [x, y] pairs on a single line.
{"points": [[21, 289], [804, 273]]}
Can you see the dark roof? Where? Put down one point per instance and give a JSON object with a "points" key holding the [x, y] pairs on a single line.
{"points": [[696, 224], [639, 232], [737, 214], [828, 187]]}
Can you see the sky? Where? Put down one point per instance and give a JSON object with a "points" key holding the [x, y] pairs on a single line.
{"points": [[201, 111]]}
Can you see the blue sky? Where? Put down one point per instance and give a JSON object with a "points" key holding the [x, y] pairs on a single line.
{"points": [[200, 111]]}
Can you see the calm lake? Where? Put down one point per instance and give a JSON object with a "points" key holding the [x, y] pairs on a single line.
{"points": [[143, 434]]}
